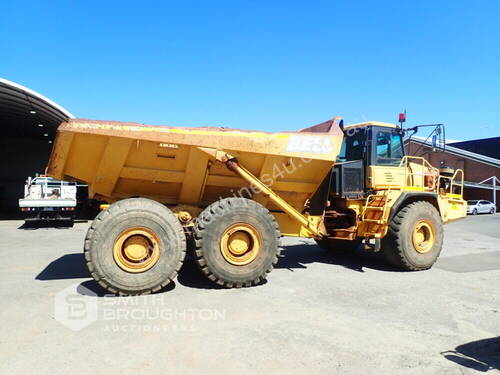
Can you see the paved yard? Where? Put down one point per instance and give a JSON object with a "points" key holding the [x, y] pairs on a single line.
{"points": [[316, 314]]}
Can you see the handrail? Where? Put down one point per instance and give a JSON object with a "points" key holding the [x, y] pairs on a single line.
{"points": [[457, 180], [452, 183], [425, 164], [410, 180]]}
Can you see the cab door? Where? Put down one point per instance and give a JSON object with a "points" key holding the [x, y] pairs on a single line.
{"points": [[385, 152]]}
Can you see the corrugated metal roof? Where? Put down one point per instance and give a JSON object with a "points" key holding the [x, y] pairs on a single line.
{"points": [[486, 146], [27, 113], [458, 151]]}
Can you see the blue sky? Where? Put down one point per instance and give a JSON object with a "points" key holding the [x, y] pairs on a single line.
{"points": [[265, 65]]}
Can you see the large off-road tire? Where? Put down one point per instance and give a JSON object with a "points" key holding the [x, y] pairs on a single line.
{"points": [[414, 238], [237, 242], [338, 246], [135, 246]]}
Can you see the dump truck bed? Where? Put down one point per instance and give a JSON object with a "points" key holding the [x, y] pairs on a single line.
{"points": [[174, 165]]}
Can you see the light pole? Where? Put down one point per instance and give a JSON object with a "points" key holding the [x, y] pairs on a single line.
{"points": [[494, 182]]}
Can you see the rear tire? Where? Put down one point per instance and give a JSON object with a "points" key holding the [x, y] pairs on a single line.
{"points": [[121, 232], [338, 246], [414, 238], [474, 211], [237, 242], [492, 211]]}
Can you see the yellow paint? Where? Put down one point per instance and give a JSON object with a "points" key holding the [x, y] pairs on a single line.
{"points": [[186, 213], [370, 123], [136, 249], [423, 236], [253, 142], [184, 167], [176, 130], [240, 244], [264, 189], [107, 174], [195, 176], [58, 159]]}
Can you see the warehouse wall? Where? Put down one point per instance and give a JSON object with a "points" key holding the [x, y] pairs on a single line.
{"points": [[20, 158], [478, 194]]}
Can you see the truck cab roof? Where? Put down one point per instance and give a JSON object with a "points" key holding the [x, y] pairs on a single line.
{"points": [[370, 123]]}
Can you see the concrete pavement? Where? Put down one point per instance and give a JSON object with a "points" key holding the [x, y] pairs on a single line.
{"points": [[317, 313]]}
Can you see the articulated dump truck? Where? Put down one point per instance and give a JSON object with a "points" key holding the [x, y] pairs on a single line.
{"points": [[226, 196]]}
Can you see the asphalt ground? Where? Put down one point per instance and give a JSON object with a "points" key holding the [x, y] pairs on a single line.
{"points": [[317, 313]]}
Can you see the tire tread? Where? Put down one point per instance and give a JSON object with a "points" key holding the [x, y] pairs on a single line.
{"points": [[200, 227], [127, 205], [393, 248]]}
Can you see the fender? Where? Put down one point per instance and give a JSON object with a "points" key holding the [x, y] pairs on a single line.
{"points": [[412, 196]]}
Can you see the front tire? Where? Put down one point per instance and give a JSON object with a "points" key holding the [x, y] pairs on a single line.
{"points": [[237, 242], [135, 246], [474, 211], [414, 238], [492, 211]]}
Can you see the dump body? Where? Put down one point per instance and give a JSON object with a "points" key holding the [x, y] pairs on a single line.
{"points": [[174, 165]]}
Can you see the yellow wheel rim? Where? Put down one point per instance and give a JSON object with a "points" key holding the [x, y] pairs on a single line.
{"points": [[240, 244], [423, 236], [136, 249]]}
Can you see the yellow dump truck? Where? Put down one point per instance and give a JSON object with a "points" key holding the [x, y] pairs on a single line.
{"points": [[227, 196]]}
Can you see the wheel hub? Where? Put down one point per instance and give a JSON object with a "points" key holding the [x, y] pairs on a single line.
{"points": [[423, 236], [240, 244], [136, 249]]}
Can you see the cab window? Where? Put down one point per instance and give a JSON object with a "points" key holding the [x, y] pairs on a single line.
{"points": [[388, 148], [353, 146]]}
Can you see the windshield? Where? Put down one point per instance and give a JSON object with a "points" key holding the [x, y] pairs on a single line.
{"points": [[389, 148], [472, 203]]}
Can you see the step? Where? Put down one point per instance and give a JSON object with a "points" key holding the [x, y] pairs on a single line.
{"points": [[375, 208], [372, 234], [374, 221], [345, 230]]}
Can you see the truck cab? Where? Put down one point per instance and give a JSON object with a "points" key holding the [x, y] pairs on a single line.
{"points": [[373, 179], [376, 150]]}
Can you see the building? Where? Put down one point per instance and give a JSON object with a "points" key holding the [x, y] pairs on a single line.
{"points": [[479, 169], [487, 146], [28, 123]]}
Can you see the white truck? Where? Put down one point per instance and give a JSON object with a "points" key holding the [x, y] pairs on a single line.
{"points": [[48, 199]]}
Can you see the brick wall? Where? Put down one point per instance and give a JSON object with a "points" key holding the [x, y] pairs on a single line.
{"points": [[474, 171]]}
